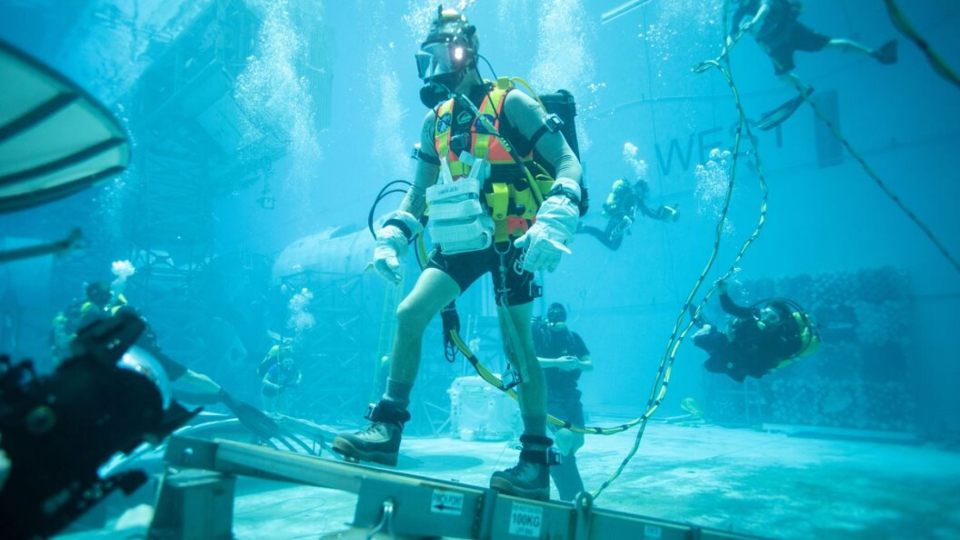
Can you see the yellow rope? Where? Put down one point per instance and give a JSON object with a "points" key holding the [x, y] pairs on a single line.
{"points": [[901, 23]]}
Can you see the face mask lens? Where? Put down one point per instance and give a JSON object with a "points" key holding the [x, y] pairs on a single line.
{"points": [[424, 63], [769, 317], [438, 59]]}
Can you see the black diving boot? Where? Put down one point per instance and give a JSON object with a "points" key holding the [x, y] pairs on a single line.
{"points": [[530, 477], [380, 441]]}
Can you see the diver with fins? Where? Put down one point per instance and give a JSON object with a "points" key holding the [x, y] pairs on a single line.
{"points": [[102, 302], [621, 207], [776, 28]]}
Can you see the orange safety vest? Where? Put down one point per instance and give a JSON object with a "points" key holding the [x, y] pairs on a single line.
{"points": [[507, 193]]}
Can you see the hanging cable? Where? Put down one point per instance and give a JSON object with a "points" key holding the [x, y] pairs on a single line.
{"points": [[822, 116], [661, 382], [901, 23]]}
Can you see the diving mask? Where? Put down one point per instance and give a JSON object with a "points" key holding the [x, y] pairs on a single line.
{"points": [[436, 59], [767, 317], [556, 316]]}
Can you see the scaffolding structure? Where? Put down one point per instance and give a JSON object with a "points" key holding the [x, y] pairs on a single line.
{"points": [[194, 144]]}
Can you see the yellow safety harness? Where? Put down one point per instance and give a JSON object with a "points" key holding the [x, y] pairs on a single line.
{"points": [[516, 186]]}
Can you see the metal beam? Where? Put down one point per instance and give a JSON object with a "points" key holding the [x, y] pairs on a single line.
{"points": [[409, 506]]}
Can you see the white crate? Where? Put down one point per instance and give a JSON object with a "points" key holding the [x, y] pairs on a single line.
{"points": [[478, 411]]}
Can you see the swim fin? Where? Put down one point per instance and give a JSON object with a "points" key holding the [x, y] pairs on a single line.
{"points": [[886, 53], [779, 115], [260, 424]]}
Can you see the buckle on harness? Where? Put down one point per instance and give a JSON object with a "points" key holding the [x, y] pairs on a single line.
{"points": [[510, 379], [536, 290]]}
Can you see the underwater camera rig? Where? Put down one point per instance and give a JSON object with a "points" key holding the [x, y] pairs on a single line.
{"points": [[57, 430]]}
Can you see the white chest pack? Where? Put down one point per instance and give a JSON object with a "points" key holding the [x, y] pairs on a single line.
{"points": [[458, 221]]}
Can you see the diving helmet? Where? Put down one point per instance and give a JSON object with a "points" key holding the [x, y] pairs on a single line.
{"points": [[450, 48]]}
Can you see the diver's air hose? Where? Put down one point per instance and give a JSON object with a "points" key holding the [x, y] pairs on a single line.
{"points": [[384, 191], [453, 334]]}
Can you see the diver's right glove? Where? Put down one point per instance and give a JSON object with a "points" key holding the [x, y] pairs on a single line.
{"points": [[392, 241]]}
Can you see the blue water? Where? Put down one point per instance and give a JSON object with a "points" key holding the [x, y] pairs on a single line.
{"points": [[283, 119]]}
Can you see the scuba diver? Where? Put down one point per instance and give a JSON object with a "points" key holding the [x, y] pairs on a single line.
{"points": [[563, 357], [283, 348], [198, 388], [477, 144], [191, 386], [760, 338], [620, 209], [100, 302], [280, 377], [777, 30]]}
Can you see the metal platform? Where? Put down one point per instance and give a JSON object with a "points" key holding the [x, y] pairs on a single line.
{"points": [[391, 504]]}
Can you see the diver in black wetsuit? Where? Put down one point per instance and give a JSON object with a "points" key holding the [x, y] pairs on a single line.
{"points": [[760, 338], [621, 208], [563, 356]]}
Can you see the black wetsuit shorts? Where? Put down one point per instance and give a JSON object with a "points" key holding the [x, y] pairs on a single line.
{"points": [[465, 268], [797, 37]]}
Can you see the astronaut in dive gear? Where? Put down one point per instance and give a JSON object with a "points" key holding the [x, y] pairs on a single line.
{"points": [[477, 141]]}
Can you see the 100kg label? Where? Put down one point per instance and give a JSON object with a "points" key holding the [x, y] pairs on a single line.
{"points": [[526, 520]]}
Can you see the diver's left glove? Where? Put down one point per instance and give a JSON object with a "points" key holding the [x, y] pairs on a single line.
{"points": [[392, 241], [556, 223]]}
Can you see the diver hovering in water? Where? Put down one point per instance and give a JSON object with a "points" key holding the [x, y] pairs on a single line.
{"points": [[620, 208], [777, 30], [760, 338]]}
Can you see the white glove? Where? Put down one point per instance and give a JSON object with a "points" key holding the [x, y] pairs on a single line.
{"points": [[547, 238], [392, 244]]}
